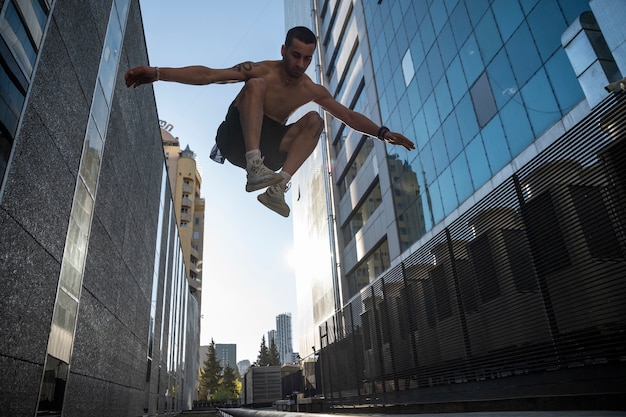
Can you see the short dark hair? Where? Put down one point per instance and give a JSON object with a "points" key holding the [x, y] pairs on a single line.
{"points": [[300, 33]]}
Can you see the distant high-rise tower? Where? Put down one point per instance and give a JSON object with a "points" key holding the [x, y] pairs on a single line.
{"points": [[271, 337], [226, 354], [185, 181], [283, 337]]}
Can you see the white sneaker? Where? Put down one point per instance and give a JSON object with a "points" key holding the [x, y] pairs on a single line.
{"points": [[274, 199], [259, 176]]}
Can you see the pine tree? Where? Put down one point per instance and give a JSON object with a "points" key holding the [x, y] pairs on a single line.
{"points": [[264, 357], [229, 383], [210, 374], [274, 356]]}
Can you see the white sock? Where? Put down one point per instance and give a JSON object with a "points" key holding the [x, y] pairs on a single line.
{"points": [[286, 177], [253, 157]]}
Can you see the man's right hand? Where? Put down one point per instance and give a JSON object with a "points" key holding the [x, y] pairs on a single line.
{"points": [[140, 75]]}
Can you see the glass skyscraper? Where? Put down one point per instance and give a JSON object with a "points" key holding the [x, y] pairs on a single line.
{"points": [[491, 254]]}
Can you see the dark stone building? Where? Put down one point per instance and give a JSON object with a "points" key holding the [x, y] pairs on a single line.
{"points": [[97, 317]]}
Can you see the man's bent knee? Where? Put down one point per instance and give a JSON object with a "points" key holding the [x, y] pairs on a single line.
{"points": [[314, 122], [254, 85]]}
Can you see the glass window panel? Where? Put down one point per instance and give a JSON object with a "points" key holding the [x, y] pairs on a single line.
{"points": [[435, 202], [421, 131], [496, 145], [35, 17], [509, 15], [92, 156], [572, 9], [564, 82], [471, 60], [431, 114], [62, 330], [540, 103], [462, 178], [359, 160], [448, 192], [122, 10], [110, 57], [413, 96], [461, 25], [429, 220], [427, 163], [363, 212], [53, 386], [100, 110], [396, 14], [523, 54], [435, 65], [527, 5], [12, 102], [71, 276], [456, 80], [478, 164], [501, 79], [483, 101], [444, 101], [438, 15], [5, 152], [488, 37], [440, 153], [447, 48], [409, 25], [476, 9], [423, 81], [427, 33], [466, 116], [14, 33], [397, 86], [454, 143], [407, 68], [547, 25], [516, 126], [417, 51]]}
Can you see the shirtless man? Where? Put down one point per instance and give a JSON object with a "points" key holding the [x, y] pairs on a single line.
{"points": [[254, 135]]}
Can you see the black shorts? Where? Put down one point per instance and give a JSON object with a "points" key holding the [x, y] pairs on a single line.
{"points": [[231, 144]]}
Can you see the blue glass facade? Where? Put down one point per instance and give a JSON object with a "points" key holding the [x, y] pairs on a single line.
{"points": [[489, 78], [487, 264]]}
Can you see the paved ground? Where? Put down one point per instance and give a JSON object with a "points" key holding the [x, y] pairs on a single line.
{"points": [[587, 413]]}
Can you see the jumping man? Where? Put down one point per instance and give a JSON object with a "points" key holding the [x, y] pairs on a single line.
{"points": [[254, 135]]}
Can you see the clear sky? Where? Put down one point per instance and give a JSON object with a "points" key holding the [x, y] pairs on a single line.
{"points": [[247, 278]]}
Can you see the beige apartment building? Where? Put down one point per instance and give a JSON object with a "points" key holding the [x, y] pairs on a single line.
{"points": [[185, 182]]}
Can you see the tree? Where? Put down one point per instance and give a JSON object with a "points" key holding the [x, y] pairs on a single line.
{"points": [[274, 356], [264, 357], [210, 374], [229, 383]]}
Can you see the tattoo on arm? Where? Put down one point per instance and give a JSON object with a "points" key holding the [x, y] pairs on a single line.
{"points": [[244, 66]]}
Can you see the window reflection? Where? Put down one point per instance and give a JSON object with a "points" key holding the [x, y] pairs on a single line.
{"points": [[368, 269], [363, 151], [362, 213], [13, 31]]}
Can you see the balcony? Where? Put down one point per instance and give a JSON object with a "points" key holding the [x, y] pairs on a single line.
{"points": [[185, 217], [186, 202], [187, 188]]}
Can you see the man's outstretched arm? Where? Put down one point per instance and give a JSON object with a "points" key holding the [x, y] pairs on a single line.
{"points": [[193, 75], [361, 123]]}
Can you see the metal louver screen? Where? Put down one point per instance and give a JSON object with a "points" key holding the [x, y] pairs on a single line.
{"points": [[524, 295]]}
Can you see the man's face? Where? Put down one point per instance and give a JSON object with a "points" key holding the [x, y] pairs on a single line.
{"points": [[297, 57]]}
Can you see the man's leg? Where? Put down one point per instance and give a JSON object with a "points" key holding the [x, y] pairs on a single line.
{"points": [[250, 105], [301, 140], [298, 143]]}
